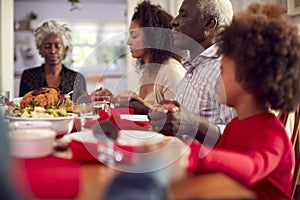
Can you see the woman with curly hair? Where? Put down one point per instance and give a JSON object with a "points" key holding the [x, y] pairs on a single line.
{"points": [[260, 72], [151, 43], [54, 42]]}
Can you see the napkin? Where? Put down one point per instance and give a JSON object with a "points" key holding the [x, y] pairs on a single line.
{"points": [[127, 124], [87, 152], [77, 125], [115, 118], [124, 110], [52, 177]]}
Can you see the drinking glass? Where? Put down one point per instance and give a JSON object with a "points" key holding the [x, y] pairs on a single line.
{"points": [[86, 112], [4, 96], [108, 154], [4, 99], [101, 103]]}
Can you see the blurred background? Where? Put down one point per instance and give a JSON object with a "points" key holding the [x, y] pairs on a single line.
{"points": [[99, 29]]}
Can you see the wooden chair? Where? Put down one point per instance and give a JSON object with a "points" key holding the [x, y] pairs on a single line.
{"points": [[295, 138], [296, 179]]}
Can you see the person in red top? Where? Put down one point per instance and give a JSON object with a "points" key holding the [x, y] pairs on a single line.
{"points": [[260, 72]]}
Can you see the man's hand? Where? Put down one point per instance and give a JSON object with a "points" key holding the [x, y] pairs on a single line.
{"points": [[138, 106], [172, 119]]}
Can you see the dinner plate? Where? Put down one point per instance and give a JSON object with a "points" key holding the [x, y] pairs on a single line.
{"points": [[138, 137], [83, 136], [126, 137], [141, 118]]}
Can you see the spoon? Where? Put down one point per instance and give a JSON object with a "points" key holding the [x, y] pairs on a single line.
{"points": [[68, 94]]}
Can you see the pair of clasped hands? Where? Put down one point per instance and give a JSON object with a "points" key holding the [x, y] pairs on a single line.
{"points": [[167, 117]]}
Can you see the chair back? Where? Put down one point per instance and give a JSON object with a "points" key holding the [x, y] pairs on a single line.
{"points": [[296, 144], [296, 129], [296, 175], [295, 137]]}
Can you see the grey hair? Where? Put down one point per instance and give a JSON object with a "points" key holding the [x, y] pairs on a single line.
{"points": [[50, 27], [220, 9]]}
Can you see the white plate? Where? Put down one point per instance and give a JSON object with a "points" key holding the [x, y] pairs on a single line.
{"points": [[83, 136], [142, 118], [126, 137], [137, 137]]}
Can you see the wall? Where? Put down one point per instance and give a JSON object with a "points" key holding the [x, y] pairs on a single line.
{"points": [[91, 11], [242, 4], [60, 10], [6, 45]]}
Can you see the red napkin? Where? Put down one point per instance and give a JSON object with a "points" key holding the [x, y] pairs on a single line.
{"points": [[142, 123], [77, 125], [115, 118], [87, 152], [90, 123], [125, 110], [52, 177], [127, 124]]}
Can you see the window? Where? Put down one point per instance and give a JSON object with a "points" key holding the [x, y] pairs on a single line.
{"points": [[98, 48]]}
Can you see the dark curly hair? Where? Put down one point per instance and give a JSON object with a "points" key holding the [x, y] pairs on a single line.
{"points": [[158, 38], [265, 48]]}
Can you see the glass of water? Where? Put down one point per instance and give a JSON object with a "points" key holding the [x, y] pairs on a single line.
{"points": [[101, 103], [4, 99], [5, 95], [86, 110]]}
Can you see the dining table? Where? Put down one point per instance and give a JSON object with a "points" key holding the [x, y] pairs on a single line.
{"points": [[95, 177]]}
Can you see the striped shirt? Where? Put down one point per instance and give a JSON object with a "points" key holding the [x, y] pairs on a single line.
{"points": [[196, 91]]}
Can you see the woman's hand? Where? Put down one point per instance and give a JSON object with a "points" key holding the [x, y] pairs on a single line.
{"points": [[169, 105], [130, 95], [103, 92]]}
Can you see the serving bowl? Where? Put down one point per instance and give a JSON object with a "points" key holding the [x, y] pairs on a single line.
{"points": [[29, 125], [31, 143], [61, 125]]}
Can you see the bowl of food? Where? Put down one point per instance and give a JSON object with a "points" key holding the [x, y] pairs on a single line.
{"points": [[31, 143], [44, 104], [60, 124]]}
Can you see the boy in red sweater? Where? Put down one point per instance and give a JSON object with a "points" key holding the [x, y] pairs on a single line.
{"points": [[260, 71]]}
